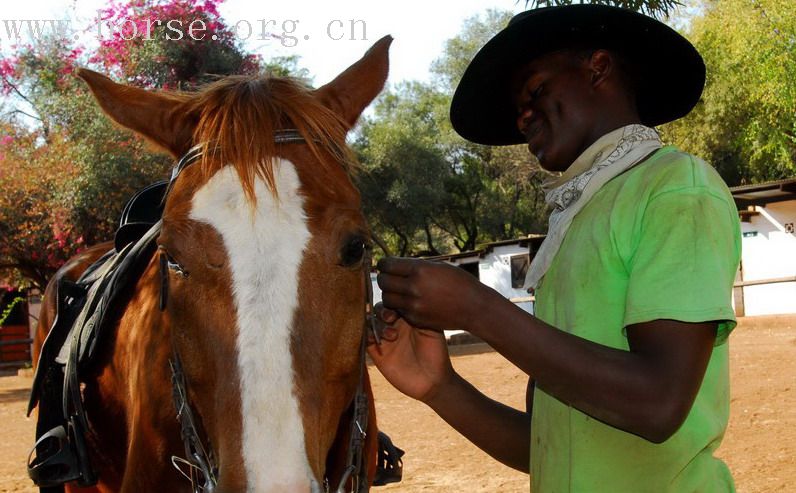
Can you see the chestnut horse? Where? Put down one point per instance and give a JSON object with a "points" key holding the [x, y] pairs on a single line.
{"points": [[266, 244]]}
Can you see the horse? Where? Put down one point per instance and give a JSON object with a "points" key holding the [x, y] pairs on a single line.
{"points": [[266, 276]]}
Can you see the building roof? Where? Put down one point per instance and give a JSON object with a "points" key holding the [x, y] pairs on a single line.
{"points": [[527, 241], [764, 193]]}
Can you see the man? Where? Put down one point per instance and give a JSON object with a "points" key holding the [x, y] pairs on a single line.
{"points": [[628, 388]]}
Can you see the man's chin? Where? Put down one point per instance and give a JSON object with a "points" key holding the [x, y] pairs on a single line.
{"points": [[536, 151], [546, 161], [538, 148], [550, 165], [541, 156]]}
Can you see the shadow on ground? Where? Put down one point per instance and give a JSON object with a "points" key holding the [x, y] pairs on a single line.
{"points": [[14, 395]]}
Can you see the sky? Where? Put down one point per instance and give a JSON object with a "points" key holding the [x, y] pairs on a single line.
{"points": [[318, 32]]}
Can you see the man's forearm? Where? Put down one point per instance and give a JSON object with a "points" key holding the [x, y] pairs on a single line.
{"points": [[499, 430], [647, 392]]}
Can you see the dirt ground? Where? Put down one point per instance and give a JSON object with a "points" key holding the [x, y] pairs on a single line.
{"points": [[760, 445]]}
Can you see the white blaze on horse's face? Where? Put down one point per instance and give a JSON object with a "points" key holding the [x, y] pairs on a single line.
{"points": [[265, 272]]}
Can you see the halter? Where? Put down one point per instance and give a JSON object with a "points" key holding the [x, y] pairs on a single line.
{"points": [[200, 460]]}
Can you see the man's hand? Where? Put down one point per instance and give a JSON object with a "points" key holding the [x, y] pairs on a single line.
{"points": [[414, 361], [430, 295], [417, 363]]}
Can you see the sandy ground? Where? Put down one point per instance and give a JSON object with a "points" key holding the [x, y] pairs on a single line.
{"points": [[760, 445]]}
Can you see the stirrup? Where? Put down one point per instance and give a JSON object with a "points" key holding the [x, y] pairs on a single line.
{"points": [[60, 458], [55, 462], [390, 466]]}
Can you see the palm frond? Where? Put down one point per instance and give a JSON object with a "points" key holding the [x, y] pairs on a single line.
{"points": [[654, 8]]}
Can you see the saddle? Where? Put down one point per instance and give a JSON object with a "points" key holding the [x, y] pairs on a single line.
{"points": [[84, 310]]}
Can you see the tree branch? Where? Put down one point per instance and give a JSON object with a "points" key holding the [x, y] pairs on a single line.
{"points": [[16, 90], [381, 244], [26, 114]]}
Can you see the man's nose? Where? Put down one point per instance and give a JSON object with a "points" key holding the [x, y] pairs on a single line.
{"points": [[524, 119]]}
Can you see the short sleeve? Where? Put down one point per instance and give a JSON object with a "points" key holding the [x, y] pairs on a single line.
{"points": [[685, 259]]}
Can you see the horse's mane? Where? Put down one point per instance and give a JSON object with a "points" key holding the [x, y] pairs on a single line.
{"points": [[237, 119]]}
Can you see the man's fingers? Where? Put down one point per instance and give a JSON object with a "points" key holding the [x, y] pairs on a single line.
{"points": [[395, 301], [394, 283], [398, 266], [388, 334], [385, 314]]}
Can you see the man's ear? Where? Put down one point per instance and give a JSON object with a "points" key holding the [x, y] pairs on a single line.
{"points": [[159, 117], [601, 66]]}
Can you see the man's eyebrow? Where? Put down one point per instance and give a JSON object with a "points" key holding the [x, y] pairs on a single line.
{"points": [[524, 73], [521, 79]]}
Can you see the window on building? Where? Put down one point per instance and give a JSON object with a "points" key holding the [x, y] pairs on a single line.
{"points": [[471, 267], [519, 267]]}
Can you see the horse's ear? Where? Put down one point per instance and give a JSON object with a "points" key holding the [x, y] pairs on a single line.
{"points": [[159, 117], [353, 90]]}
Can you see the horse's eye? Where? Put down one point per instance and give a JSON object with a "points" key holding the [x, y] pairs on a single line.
{"points": [[168, 262], [353, 251]]}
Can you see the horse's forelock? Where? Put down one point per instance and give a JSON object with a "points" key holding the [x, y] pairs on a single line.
{"points": [[238, 117]]}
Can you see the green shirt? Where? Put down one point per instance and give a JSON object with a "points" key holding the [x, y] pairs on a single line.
{"points": [[660, 241]]}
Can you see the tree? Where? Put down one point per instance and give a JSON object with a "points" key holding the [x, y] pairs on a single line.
{"points": [[649, 7], [426, 189], [33, 228], [745, 123], [169, 43], [65, 170], [405, 170]]}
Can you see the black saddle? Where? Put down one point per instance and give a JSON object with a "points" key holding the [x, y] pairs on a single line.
{"points": [[84, 311], [143, 210]]}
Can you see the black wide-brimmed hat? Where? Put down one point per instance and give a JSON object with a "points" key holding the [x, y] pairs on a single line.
{"points": [[668, 70]]}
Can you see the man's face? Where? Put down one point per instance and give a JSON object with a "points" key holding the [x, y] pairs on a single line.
{"points": [[555, 108]]}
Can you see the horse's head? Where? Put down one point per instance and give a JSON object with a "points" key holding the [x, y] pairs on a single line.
{"points": [[266, 307]]}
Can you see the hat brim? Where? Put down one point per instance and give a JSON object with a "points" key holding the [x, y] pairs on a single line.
{"points": [[669, 71]]}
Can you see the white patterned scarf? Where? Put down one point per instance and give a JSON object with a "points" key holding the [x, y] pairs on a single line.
{"points": [[609, 156]]}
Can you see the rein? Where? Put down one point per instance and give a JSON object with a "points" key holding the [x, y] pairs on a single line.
{"points": [[200, 460], [359, 423]]}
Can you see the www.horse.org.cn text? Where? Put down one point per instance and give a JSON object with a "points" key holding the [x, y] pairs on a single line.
{"points": [[287, 32]]}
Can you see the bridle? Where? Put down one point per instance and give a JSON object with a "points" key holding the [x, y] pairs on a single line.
{"points": [[200, 459]]}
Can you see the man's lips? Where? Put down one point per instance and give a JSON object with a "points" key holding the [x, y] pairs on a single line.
{"points": [[531, 133]]}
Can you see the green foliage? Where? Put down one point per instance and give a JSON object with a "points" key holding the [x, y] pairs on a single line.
{"points": [[10, 308], [745, 124], [476, 31], [656, 8], [428, 191], [286, 66], [403, 183]]}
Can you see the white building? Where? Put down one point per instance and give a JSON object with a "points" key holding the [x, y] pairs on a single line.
{"points": [[766, 282]]}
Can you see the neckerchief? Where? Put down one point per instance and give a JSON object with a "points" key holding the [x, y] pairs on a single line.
{"points": [[608, 157]]}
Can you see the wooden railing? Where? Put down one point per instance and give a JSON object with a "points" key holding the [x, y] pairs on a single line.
{"points": [[14, 353], [758, 282]]}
